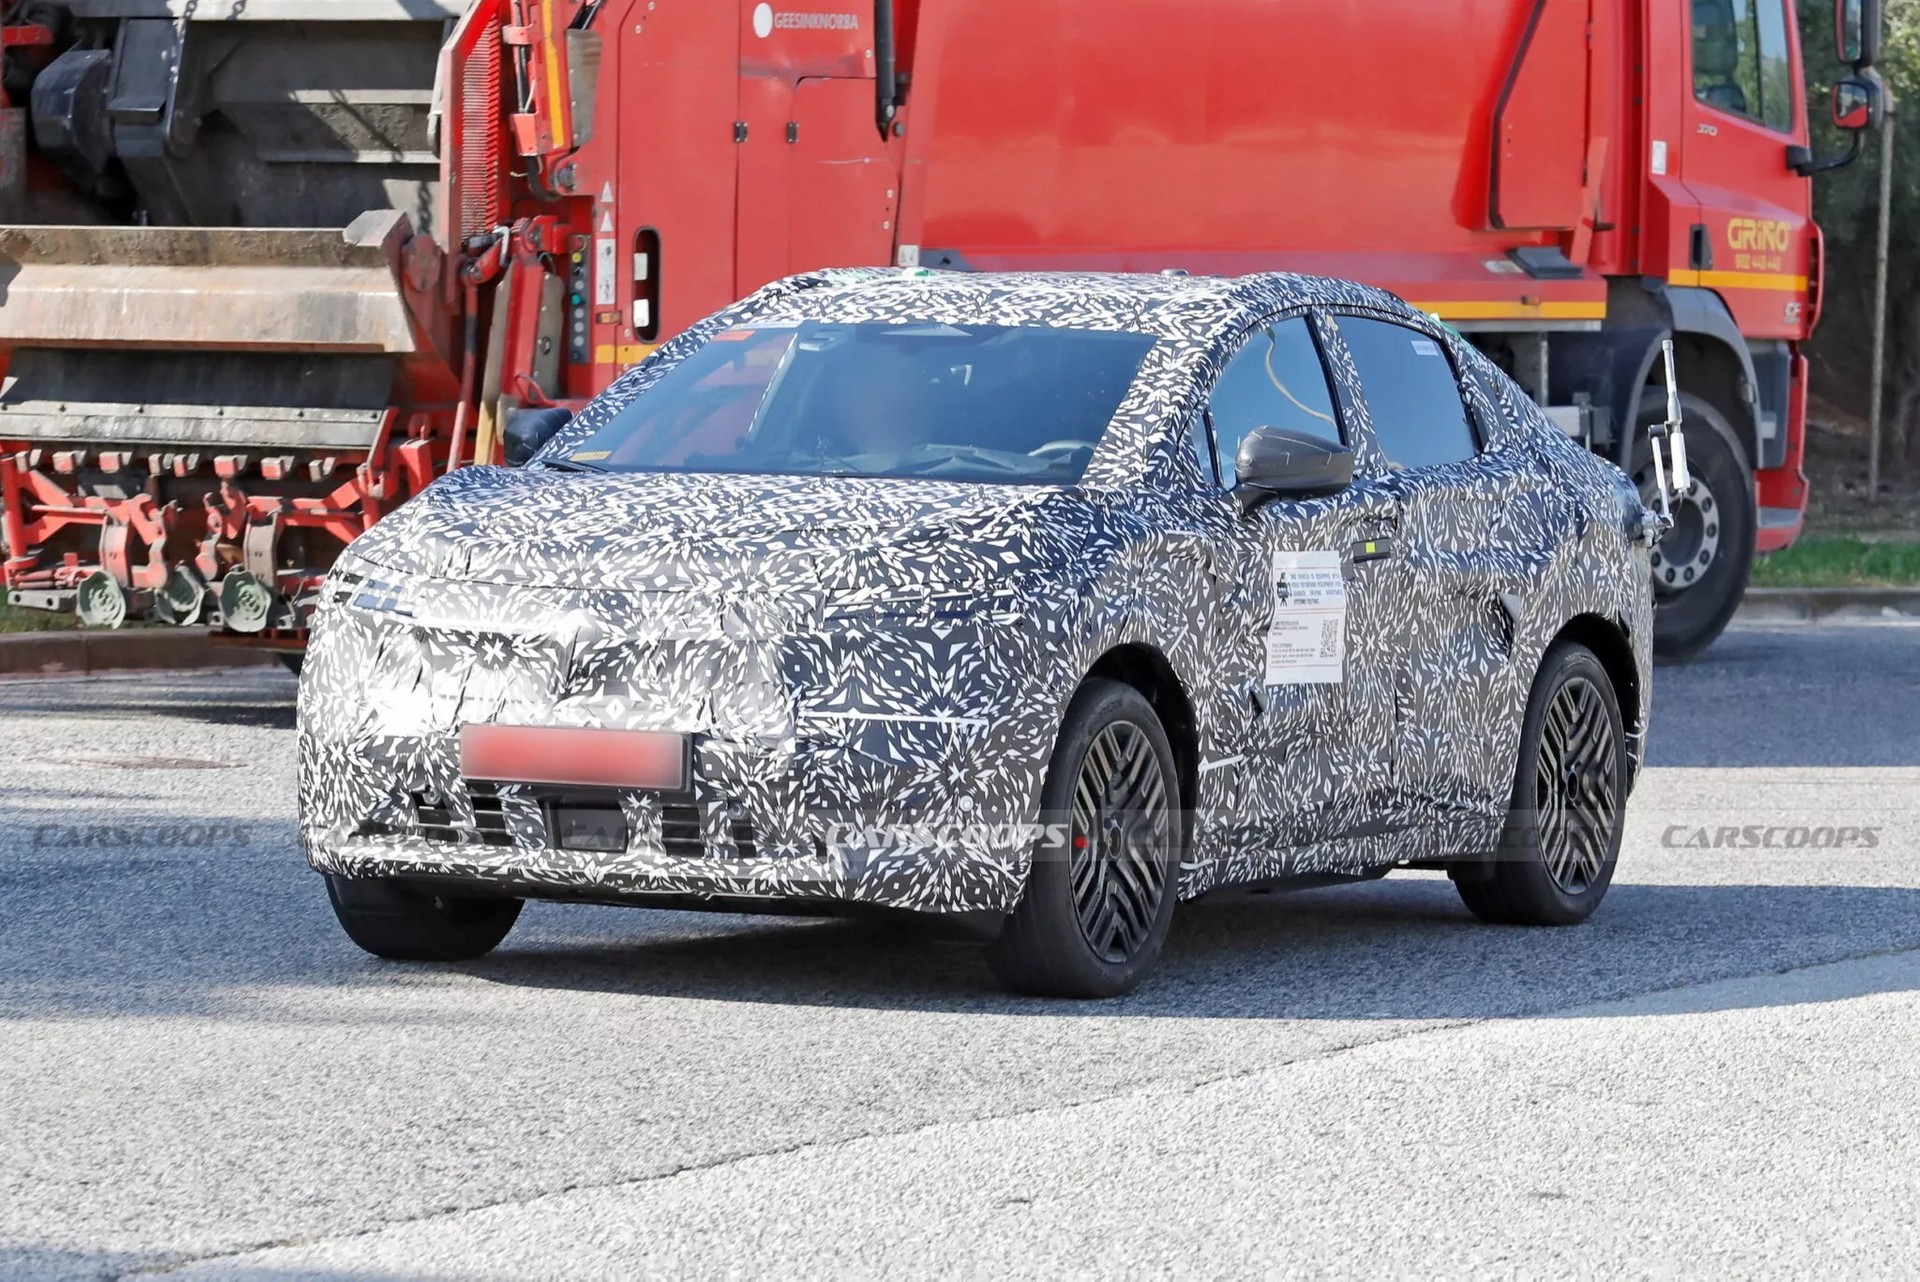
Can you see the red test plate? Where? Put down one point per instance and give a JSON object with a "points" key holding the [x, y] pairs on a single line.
{"points": [[582, 757]]}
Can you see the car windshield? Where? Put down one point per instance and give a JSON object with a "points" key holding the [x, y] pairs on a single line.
{"points": [[992, 403]]}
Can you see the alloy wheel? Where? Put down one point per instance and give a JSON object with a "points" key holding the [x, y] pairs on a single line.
{"points": [[1121, 828], [1575, 785]]}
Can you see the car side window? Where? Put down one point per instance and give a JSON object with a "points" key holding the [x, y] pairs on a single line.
{"points": [[1201, 448], [1276, 379], [1419, 413]]}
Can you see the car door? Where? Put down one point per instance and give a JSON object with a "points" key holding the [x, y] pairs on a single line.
{"points": [[1456, 482], [1303, 637]]}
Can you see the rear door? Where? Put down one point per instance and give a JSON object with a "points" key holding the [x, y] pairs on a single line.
{"points": [[677, 81], [1465, 587], [818, 186], [844, 194]]}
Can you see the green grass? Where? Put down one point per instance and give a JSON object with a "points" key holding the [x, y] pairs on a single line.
{"points": [[1829, 562], [14, 619]]}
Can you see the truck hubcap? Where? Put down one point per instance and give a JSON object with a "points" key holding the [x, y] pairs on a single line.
{"points": [[1119, 836], [1683, 558]]}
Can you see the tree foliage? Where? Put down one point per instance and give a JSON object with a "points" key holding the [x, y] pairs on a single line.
{"points": [[1846, 204]]}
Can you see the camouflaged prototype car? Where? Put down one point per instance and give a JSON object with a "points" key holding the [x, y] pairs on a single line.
{"points": [[1041, 601]]}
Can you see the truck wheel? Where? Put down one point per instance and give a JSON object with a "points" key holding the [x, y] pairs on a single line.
{"points": [[393, 920], [1568, 809], [1098, 901], [1700, 569]]}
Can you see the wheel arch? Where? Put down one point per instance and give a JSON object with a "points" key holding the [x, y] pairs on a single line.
{"points": [[1716, 374], [1147, 669], [1615, 366], [1610, 643]]}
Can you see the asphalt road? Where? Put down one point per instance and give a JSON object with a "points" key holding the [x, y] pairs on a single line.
{"points": [[198, 1071]]}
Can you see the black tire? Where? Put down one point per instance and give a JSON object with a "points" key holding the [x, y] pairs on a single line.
{"points": [[1113, 874], [1690, 612], [395, 921], [1556, 859], [292, 662]]}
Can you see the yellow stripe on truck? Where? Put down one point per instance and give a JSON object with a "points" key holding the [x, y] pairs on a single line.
{"points": [[1739, 280], [556, 99], [623, 353], [1477, 310]]}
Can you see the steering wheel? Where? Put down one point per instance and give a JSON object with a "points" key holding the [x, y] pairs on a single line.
{"points": [[1060, 447]]}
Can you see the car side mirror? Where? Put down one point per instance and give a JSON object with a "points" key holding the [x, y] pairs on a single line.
{"points": [[1857, 103], [528, 430], [1273, 463]]}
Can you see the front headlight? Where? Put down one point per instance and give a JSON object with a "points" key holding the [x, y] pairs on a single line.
{"points": [[366, 586]]}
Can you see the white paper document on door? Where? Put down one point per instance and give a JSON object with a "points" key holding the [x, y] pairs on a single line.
{"points": [[1307, 641]]}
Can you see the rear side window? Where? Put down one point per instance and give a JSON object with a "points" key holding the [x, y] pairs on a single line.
{"points": [[1275, 380], [1419, 415]]}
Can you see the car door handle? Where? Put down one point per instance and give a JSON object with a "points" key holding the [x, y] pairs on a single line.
{"points": [[1374, 549]]}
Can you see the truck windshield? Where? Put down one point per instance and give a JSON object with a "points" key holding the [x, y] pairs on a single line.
{"points": [[991, 403]]}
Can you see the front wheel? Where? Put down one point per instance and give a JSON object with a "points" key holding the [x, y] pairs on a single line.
{"points": [[1700, 568], [1568, 808], [393, 920], [1099, 898]]}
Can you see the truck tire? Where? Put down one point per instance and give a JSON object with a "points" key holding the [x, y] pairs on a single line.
{"points": [[1569, 804], [395, 921], [1700, 569], [1098, 901]]}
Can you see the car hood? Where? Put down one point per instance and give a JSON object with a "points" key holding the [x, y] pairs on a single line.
{"points": [[661, 532]]}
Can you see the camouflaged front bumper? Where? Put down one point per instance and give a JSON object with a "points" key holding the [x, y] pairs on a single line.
{"points": [[807, 782]]}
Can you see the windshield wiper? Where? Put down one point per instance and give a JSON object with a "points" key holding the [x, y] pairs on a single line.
{"points": [[938, 455], [570, 465]]}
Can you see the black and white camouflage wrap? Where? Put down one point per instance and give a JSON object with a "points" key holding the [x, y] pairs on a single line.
{"points": [[873, 671]]}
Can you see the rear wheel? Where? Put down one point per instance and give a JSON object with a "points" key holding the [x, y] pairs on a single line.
{"points": [[393, 920], [1568, 809], [1700, 569], [1098, 900]]}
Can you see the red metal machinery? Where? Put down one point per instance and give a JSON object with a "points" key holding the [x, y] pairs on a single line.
{"points": [[206, 396]]}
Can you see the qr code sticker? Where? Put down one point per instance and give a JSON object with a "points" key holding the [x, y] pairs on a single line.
{"points": [[1330, 637]]}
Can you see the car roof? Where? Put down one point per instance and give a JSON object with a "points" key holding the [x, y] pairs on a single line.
{"points": [[1172, 306]]}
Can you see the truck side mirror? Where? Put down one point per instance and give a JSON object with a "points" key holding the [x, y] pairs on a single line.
{"points": [[1857, 103], [1856, 32], [1274, 463]]}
